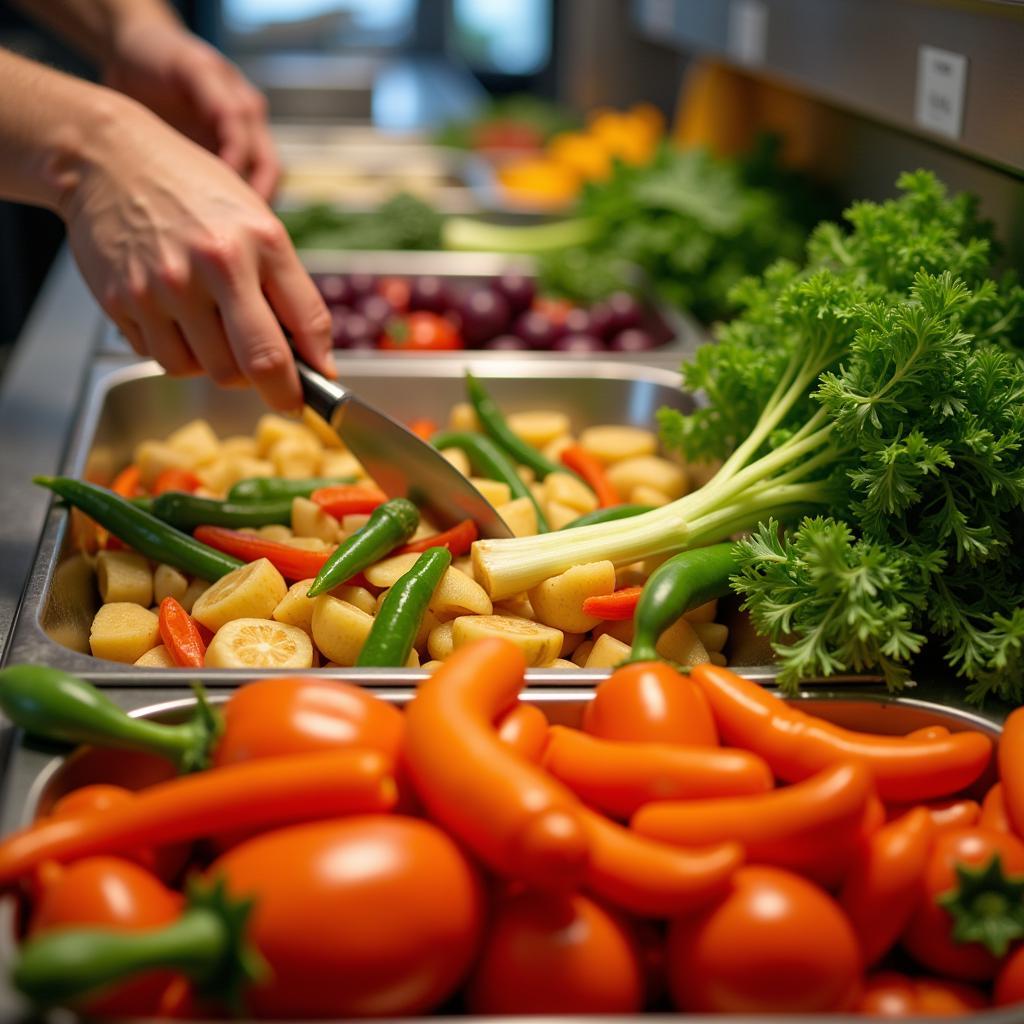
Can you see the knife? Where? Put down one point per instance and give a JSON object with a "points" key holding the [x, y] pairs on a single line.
{"points": [[400, 463]]}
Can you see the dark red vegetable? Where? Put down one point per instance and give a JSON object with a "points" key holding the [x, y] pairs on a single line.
{"points": [[633, 339], [429, 293], [519, 290], [485, 313]]}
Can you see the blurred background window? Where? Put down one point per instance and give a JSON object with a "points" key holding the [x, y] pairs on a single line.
{"points": [[502, 37]]}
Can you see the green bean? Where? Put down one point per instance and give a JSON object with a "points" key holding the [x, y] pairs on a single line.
{"points": [[275, 488], [187, 511], [398, 621], [608, 515]]}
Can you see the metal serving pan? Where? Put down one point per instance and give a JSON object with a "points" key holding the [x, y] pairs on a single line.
{"points": [[130, 403], [468, 268], [35, 776]]}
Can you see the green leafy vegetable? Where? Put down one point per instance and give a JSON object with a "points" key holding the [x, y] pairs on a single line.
{"points": [[403, 222], [882, 387]]}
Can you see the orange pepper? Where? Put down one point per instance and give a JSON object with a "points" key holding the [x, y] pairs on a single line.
{"points": [[525, 729], [993, 811]]}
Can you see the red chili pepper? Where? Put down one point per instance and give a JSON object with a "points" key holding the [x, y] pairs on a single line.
{"points": [[579, 460], [348, 499], [180, 635], [617, 606], [424, 428], [173, 479], [458, 540]]}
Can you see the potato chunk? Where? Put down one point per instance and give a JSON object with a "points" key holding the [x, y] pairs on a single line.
{"points": [[124, 632], [124, 576], [340, 629], [158, 657], [520, 517], [310, 520], [571, 491], [168, 582], [558, 601], [607, 652], [251, 591], [456, 594], [440, 642], [259, 643], [649, 471], [538, 426], [295, 608], [680, 643], [196, 439], [539, 644], [614, 443]]}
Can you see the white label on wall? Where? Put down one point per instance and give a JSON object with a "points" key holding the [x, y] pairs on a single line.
{"points": [[747, 37], [659, 17], [941, 87]]}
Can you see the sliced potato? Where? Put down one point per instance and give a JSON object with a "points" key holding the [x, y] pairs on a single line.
{"points": [[558, 601], [124, 576], [559, 515], [539, 644], [538, 426], [561, 663], [336, 463], [614, 443], [703, 612], [431, 666], [520, 517], [440, 642], [518, 604], [644, 495], [276, 532], [553, 449], [526, 474], [607, 652], [195, 588], [158, 657], [459, 459], [251, 591], [463, 417], [413, 661], [259, 643], [570, 641], [295, 608], [648, 471], [570, 490], [340, 629], [310, 520], [632, 575], [308, 544], [271, 428], [153, 457], [122, 631], [496, 492], [713, 635], [320, 428], [717, 658], [456, 594], [240, 444], [465, 564], [358, 596], [168, 582], [196, 439], [296, 458], [679, 643], [580, 655]]}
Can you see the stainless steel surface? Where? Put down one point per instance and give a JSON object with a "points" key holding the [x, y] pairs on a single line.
{"points": [[863, 55], [34, 777], [39, 400], [133, 402], [402, 464]]}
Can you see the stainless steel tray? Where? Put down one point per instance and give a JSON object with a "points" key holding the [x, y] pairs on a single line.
{"points": [[130, 403], [34, 777], [468, 267]]}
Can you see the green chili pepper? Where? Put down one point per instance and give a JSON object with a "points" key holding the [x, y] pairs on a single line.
{"points": [[275, 488], [490, 461], [51, 704], [140, 530], [187, 511], [608, 515], [208, 944], [493, 421], [683, 582], [389, 525], [398, 621]]}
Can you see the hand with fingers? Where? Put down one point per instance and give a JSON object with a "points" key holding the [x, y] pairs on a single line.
{"points": [[154, 59], [191, 263]]}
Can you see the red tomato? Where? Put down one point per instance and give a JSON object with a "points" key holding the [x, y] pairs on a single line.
{"points": [[776, 944], [370, 916], [396, 290], [117, 894], [1010, 980], [273, 717], [893, 995], [421, 332], [555, 309], [547, 953], [507, 134], [928, 938], [651, 701]]}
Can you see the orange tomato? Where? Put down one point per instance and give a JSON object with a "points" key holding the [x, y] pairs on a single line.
{"points": [[118, 894], [775, 944], [929, 935], [547, 953], [368, 916], [650, 701], [295, 715], [893, 995]]}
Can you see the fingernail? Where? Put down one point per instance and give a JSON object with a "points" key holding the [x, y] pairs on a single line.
{"points": [[331, 364]]}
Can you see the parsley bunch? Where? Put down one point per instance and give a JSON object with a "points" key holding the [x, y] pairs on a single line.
{"points": [[884, 381]]}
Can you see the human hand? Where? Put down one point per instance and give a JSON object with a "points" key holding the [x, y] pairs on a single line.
{"points": [[189, 262], [157, 61]]}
